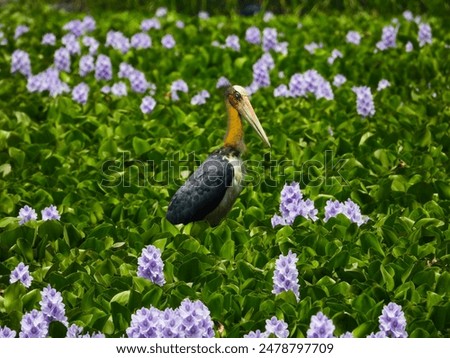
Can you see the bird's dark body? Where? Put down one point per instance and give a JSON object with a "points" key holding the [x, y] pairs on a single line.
{"points": [[210, 191]]}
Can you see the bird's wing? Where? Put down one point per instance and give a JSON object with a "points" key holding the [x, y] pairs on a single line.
{"points": [[202, 192]]}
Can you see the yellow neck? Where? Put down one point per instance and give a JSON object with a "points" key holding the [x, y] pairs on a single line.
{"points": [[235, 133]]}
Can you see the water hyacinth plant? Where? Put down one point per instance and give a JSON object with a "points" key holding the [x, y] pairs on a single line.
{"points": [[105, 115]]}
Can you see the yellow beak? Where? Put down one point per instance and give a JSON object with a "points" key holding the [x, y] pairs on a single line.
{"points": [[247, 112]]}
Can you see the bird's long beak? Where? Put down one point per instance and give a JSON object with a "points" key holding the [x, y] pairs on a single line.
{"points": [[247, 112]]}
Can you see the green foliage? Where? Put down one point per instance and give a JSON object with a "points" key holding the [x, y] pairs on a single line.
{"points": [[105, 166]]}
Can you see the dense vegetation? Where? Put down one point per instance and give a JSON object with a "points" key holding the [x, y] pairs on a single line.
{"points": [[110, 170]]}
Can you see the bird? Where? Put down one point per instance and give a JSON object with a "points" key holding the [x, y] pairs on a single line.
{"points": [[210, 192]]}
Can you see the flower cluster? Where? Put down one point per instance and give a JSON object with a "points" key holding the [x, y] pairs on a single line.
{"points": [[147, 104], [75, 331], [313, 46], [424, 34], [20, 62], [141, 41], [90, 43], [383, 84], [253, 35], [71, 43], [320, 327], [392, 321], [50, 213], [339, 80], [52, 306], [103, 68], [80, 93], [151, 265], [20, 30], [334, 55], [261, 76], [49, 39], [178, 86], [21, 273], [310, 81], [285, 277], [388, 38], [47, 80], [118, 41], [86, 65], [62, 59], [364, 101], [293, 205], [274, 326], [26, 214], [200, 98], [149, 24], [168, 41], [33, 325], [223, 82], [190, 320], [350, 209], [353, 37], [6, 332], [232, 42]]}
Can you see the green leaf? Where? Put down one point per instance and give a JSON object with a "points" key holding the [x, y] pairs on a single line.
{"points": [[387, 278], [140, 146]]}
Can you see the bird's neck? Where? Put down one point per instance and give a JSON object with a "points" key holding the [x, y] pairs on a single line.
{"points": [[235, 133]]}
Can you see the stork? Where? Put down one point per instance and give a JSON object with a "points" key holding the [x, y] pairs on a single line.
{"points": [[210, 192]]}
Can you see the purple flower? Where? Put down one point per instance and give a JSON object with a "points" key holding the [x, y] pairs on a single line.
{"points": [[195, 320], [86, 65], [168, 41], [334, 55], [26, 214], [380, 334], [80, 93], [125, 70], [103, 68], [270, 39], [281, 91], [332, 209], [408, 15], [388, 38], [148, 24], [147, 105], [52, 306], [383, 84], [350, 209], [312, 47], [119, 89], [47, 80], [409, 46], [3, 40], [204, 15], [223, 82], [285, 277], [144, 323], [310, 82], [320, 327], [178, 86], [75, 27], [268, 15], [364, 101], [61, 59], [6, 332], [161, 12], [190, 320], [179, 24], [256, 334], [253, 35], [70, 41], [117, 41], [33, 325], [353, 37], [91, 43], [261, 76], [424, 34], [138, 82], [49, 39], [20, 30], [392, 321], [347, 335], [200, 98], [232, 42], [141, 41], [21, 273], [20, 62], [75, 331], [151, 265], [88, 24], [339, 80], [50, 213], [277, 327]]}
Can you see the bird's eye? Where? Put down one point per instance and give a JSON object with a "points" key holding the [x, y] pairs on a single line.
{"points": [[237, 96]]}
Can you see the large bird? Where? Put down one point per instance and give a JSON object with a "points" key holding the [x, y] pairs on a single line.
{"points": [[212, 189]]}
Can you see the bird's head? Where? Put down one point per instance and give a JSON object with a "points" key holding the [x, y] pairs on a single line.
{"points": [[237, 97]]}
